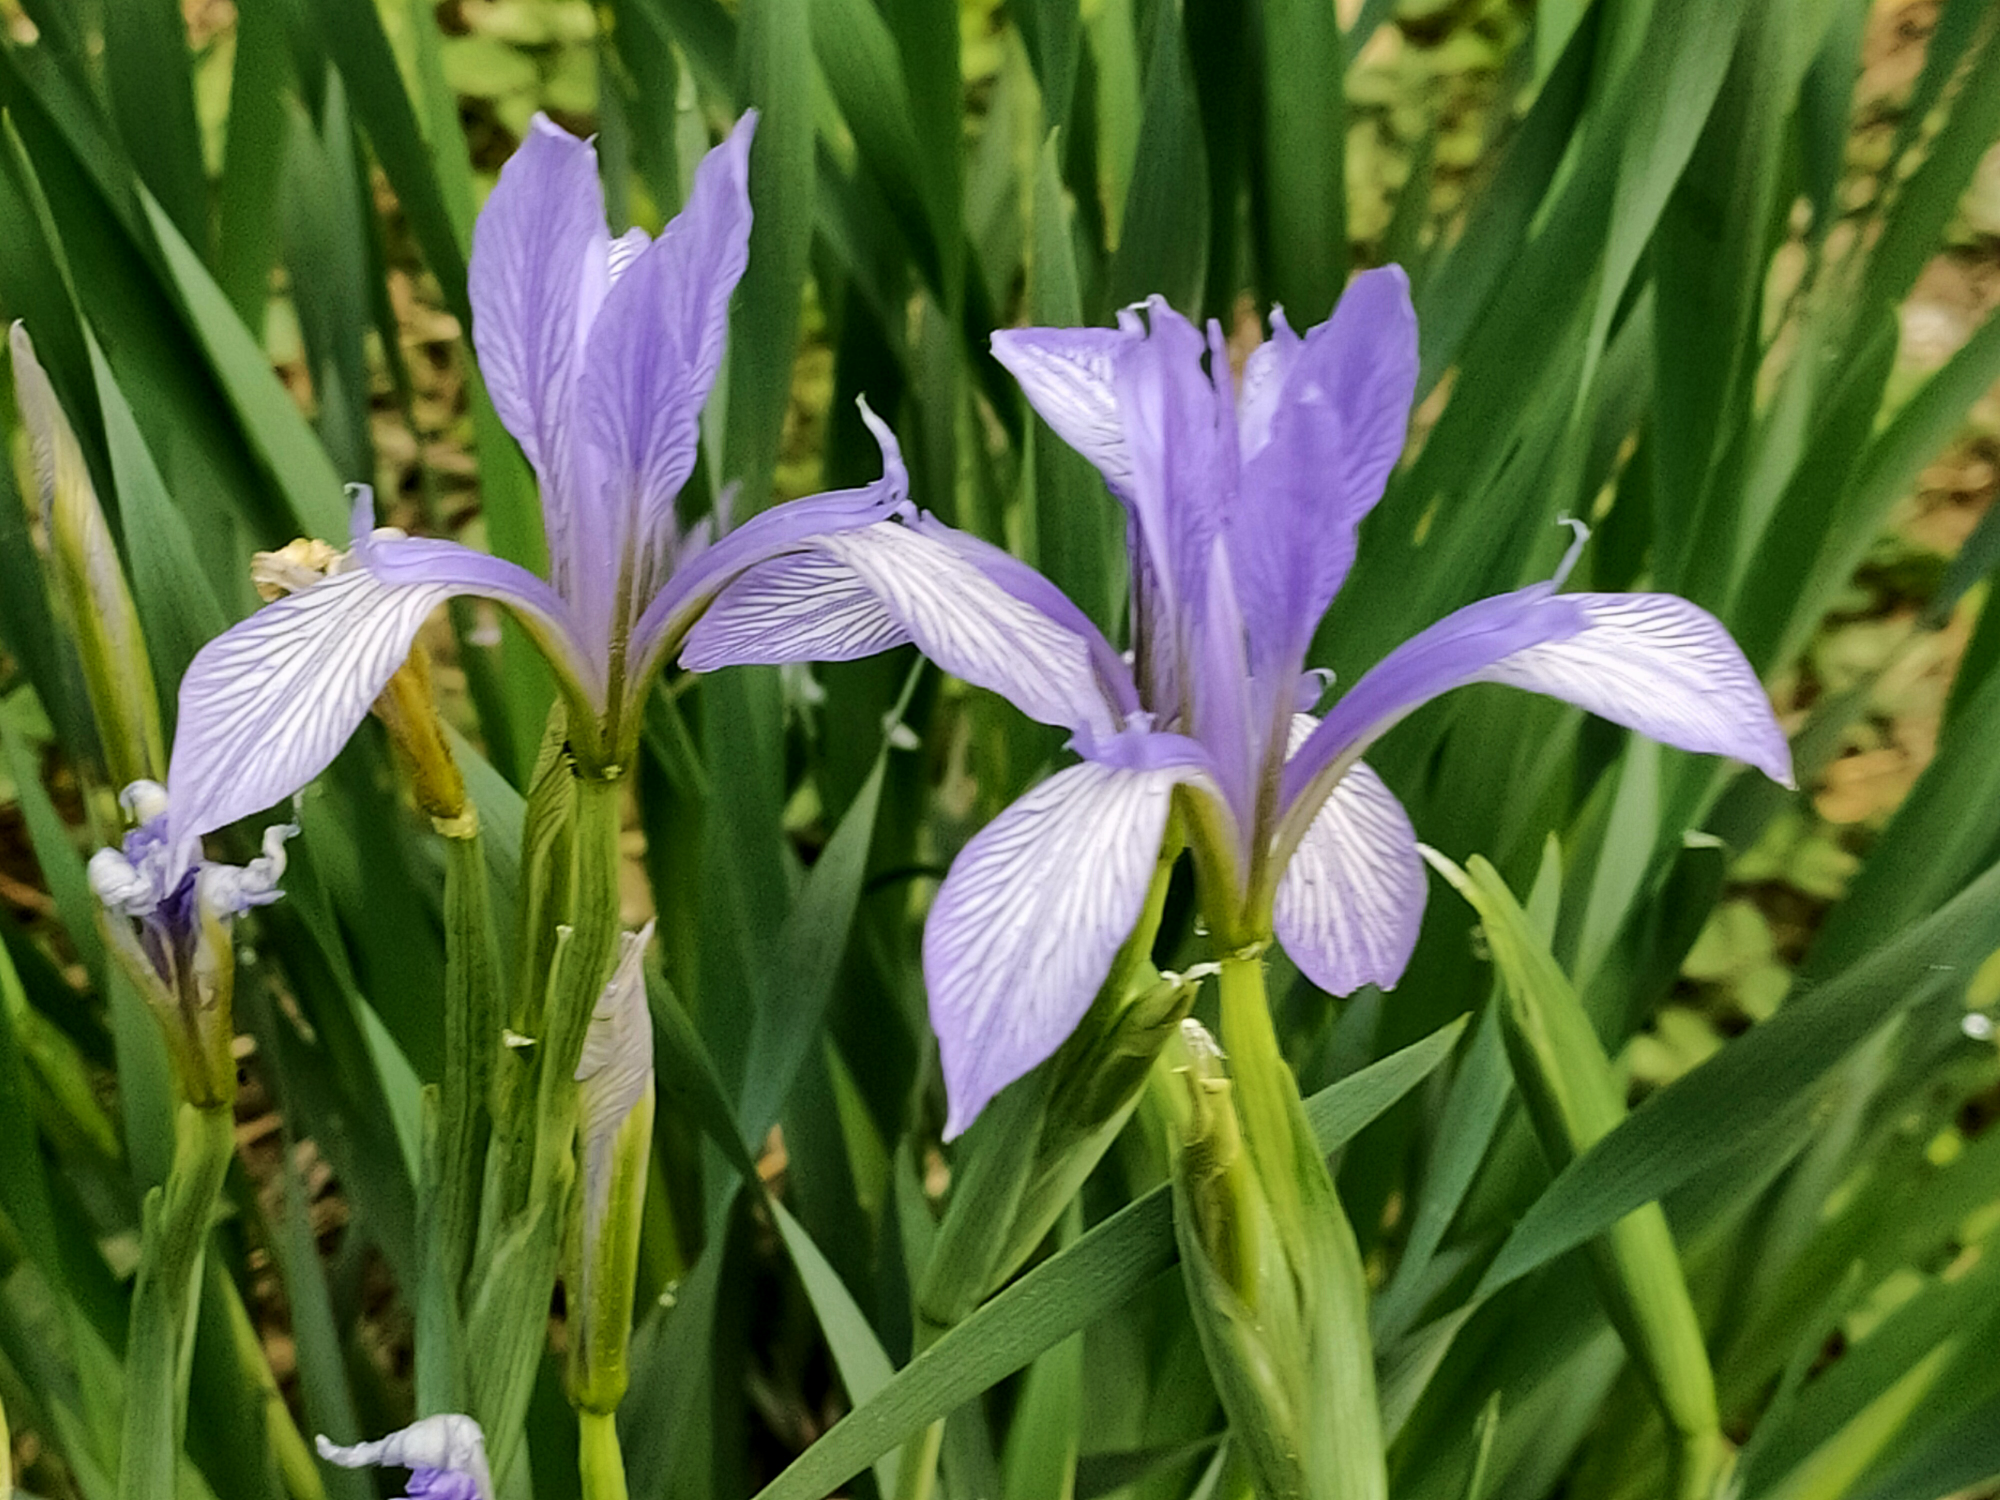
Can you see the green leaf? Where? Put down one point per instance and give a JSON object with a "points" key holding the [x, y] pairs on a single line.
{"points": [[774, 56], [1700, 1118], [857, 1353], [1065, 1294], [1163, 234], [1302, 187], [277, 433], [148, 77]]}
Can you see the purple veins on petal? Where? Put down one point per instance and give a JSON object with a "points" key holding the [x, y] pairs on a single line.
{"points": [[1029, 919]]}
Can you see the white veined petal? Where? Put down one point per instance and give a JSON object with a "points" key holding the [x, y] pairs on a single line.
{"points": [[1066, 374], [450, 1443], [975, 629], [267, 704], [611, 1075], [1029, 919], [805, 606], [618, 1046], [1351, 902], [1662, 666]]}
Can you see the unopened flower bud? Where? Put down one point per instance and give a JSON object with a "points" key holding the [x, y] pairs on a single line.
{"points": [[90, 583]]}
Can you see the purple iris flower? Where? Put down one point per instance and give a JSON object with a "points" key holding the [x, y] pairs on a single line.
{"points": [[446, 1457], [599, 353], [1242, 508]]}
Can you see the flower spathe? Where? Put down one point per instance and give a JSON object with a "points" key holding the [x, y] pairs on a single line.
{"points": [[599, 353], [1242, 509], [169, 921], [446, 1457]]}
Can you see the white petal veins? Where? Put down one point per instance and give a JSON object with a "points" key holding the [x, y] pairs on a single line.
{"points": [[1029, 919], [1351, 902], [973, 628], [1662, 666], [267, 705], [805, 606], [1067, 376]]}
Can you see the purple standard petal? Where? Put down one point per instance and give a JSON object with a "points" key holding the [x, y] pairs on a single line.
{"points": [[1066, 374], [1351, 901], [1029, 919], [539, 269], [1317, 453], [1183, 459], [1652, 662], [654, 350]]}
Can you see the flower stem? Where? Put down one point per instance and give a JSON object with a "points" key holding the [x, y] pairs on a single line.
{"points": [[1338, 1430], [568, 943], [600, 1460], [160, 1346]]}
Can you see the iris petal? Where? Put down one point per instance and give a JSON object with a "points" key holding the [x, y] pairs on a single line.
{"points": [[1026, 925], [1351, 901]]}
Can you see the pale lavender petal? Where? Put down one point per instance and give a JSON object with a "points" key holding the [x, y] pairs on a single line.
{"points": [[1652, 662], [1183, 462], [449, 1444], [1264, 375], [786, 528], [267, 704], [654, 350], [1351, 901], [1028, 920], [540, 265], [1317, 453], [977, 630], [1066, 374], [612, 1076], [1226, 716], [804, 606]]}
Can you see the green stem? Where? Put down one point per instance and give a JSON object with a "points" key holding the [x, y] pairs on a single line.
{"points": [[160, 1346], [599, 1458], [531, 1161], [1342, 1437], [917, 1479]]}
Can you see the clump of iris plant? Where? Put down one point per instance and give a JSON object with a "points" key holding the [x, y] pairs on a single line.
{"points": [[1242, 508]]}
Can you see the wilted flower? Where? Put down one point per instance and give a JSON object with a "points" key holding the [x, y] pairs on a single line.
{"points": [[169, 923], [1242, 510], [599, 354], [446, 1457]]}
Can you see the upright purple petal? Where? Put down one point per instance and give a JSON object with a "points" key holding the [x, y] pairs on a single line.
{"points": [[267, 704], [1351, 901], [539, 270], [1651, 662], [654, 351], [1317, 451], [1028, 920], [1066, 374]]}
